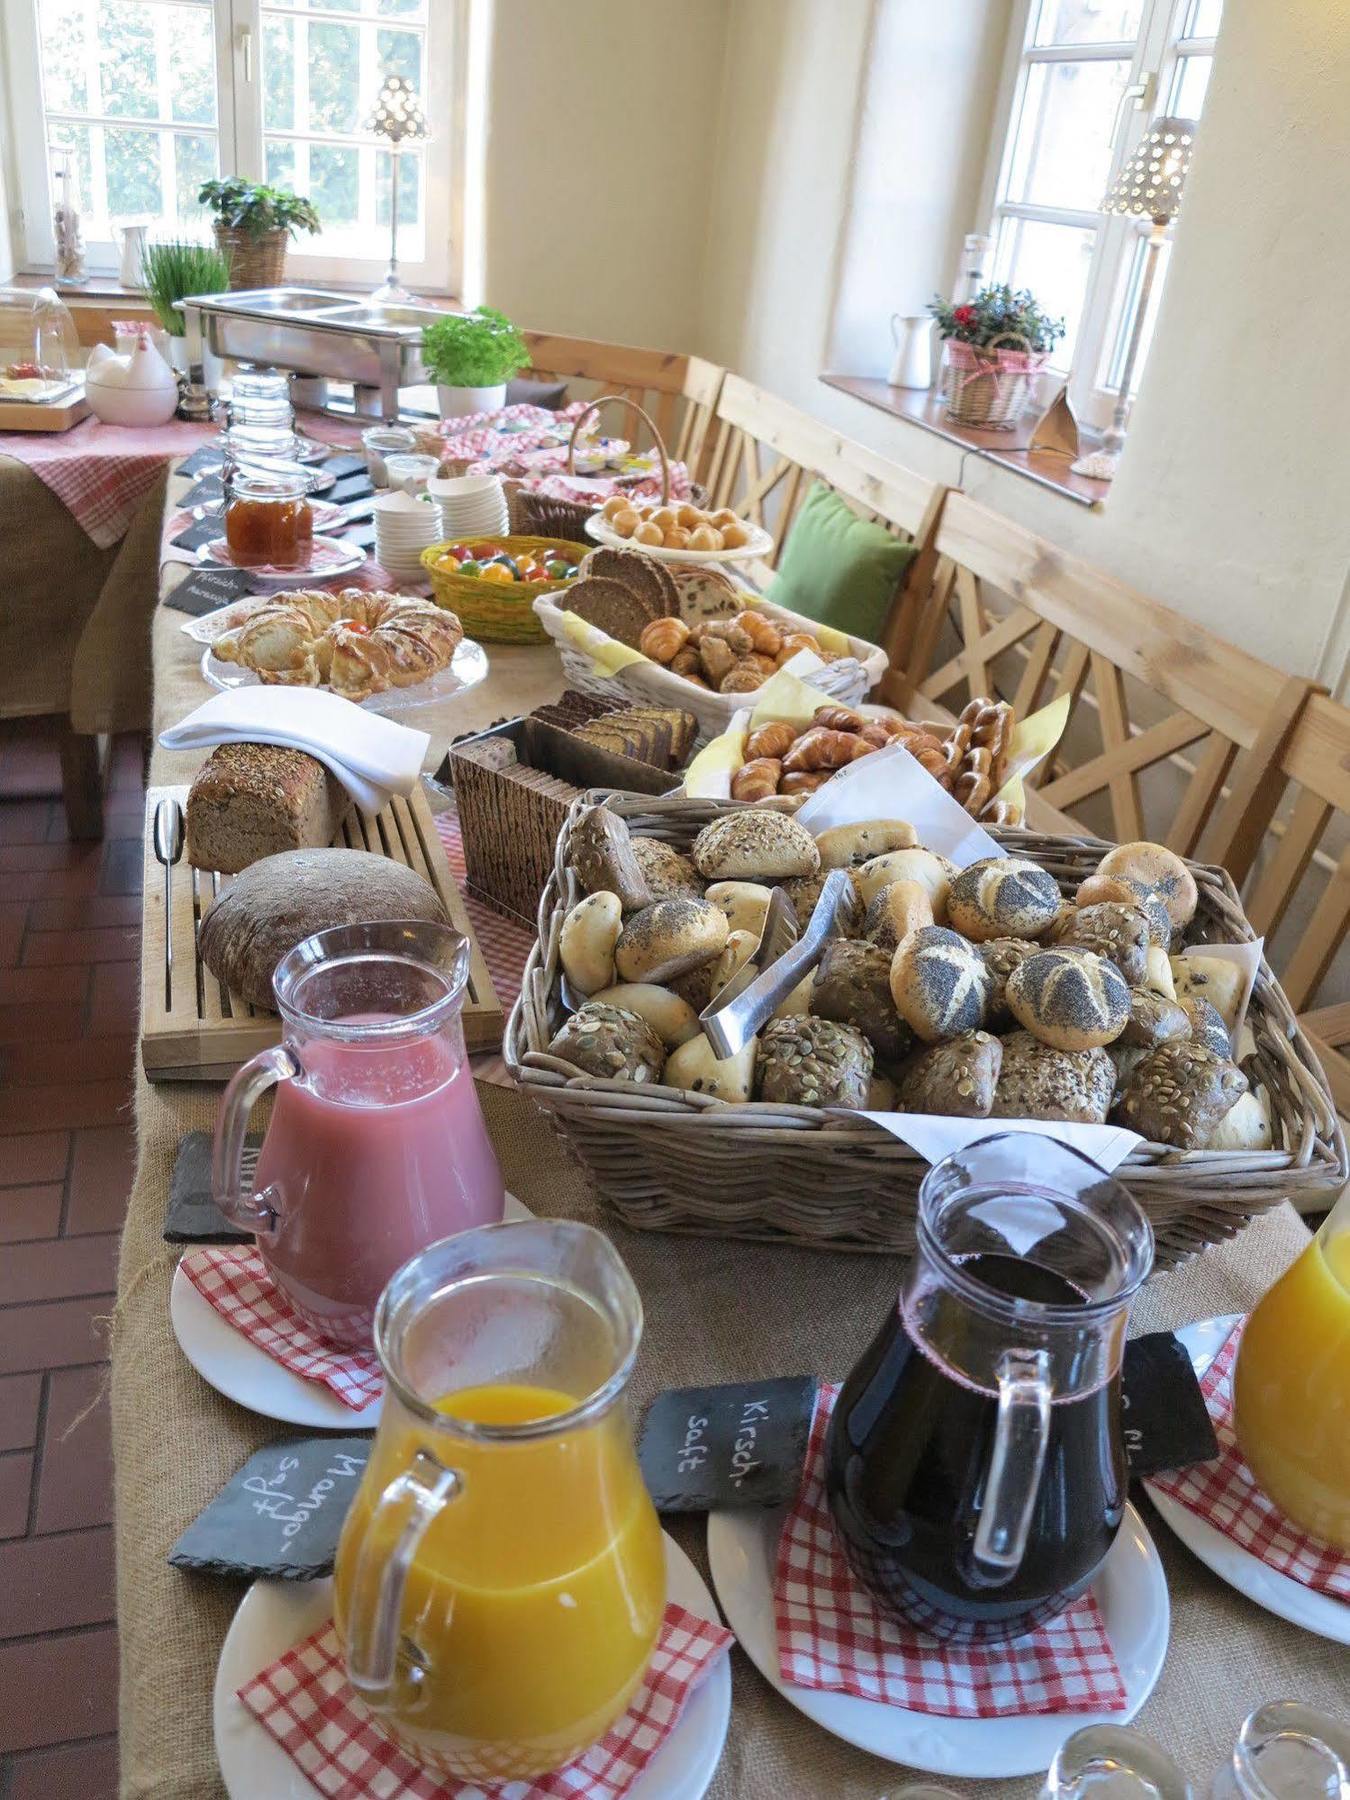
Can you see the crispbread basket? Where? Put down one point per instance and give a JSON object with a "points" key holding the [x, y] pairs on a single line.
{"points": [[666, 1160]]}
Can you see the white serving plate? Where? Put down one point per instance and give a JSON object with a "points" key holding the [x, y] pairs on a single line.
{"points": [[1253, 1579], [758, 544], [330, 559], [273, 1615], [467, 667], [1131, 1592]]}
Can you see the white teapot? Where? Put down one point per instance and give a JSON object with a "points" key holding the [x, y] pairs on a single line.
{"points": [[139, 389]]}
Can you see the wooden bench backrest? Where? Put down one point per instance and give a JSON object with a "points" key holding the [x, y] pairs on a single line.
{"points": [[680, 392], [1152, 694], [766, 453]]}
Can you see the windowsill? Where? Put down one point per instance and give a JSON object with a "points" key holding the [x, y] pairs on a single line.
{"points": [[100, 289], [1007, 449]]}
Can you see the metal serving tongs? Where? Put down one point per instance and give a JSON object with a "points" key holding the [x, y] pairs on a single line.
{"points": [[751, 996]]}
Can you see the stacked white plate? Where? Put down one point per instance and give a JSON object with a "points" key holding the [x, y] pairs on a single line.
{"points": [[403, 529], [470, 506]]}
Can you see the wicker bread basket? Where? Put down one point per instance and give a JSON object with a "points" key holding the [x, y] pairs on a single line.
{"points": [[848, 679], [666, 1160]]}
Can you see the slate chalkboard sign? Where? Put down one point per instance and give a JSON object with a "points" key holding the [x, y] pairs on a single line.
{"points": [[192, 1216], [209, 491], [1164, 1419], [742, 1444], [200, 532], [206, 589], [350, 487], [208, 456], [280, 1515]]}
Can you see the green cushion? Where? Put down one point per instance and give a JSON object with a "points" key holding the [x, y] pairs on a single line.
{"points": [[838, 568]]}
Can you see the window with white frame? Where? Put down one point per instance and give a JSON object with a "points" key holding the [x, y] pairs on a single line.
{"points": [[143, 100], [1084, 78]]}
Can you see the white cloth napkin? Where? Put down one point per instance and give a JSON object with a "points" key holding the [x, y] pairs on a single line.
{"points": [[935, 1135], [373, 757], [891, 784]]}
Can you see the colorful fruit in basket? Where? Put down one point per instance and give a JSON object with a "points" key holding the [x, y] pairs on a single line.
{"points": [[495, 571], [467, 567]]}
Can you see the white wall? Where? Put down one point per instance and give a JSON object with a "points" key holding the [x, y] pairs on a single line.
{"points": [[8, 188], [1231, 503], [600, 126]]}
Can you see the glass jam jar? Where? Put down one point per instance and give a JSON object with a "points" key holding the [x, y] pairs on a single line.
{"points": [[268, 519]]}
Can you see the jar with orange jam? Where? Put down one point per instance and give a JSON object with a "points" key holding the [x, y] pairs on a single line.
{"points": [[268, 519]]}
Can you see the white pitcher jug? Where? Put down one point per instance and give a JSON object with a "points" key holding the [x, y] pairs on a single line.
{"points": [[913, 339]]}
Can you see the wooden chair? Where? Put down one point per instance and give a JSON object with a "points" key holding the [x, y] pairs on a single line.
{"points": [[1298, 887], [680, 392], [1174, 734], [765, 456]]}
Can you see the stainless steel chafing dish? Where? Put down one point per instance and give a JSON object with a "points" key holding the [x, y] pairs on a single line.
{"points": [[376, 346]]}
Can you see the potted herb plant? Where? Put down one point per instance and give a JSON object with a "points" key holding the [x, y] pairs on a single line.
{"points": [[172, 270], [253, 223], [997, 343], [471, 357]]}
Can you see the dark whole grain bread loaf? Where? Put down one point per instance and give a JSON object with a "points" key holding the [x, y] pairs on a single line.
{"points": [[283, 899]]}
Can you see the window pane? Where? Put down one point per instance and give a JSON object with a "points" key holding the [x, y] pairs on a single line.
{"points": [[281, 165], [192, 67], [1190, 85], [61, 28], [412, 8], [278, 72], [1051, 260], [194, 161], [1062, 150], [134, 174], [81, 164], [400, 53], [1087, 21], [409, 188], [333, 185], [334, 78], [1116, 372], [126, 42], [1204, 18]]}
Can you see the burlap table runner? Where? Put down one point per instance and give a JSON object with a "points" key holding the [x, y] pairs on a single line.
{"points": [[715, 1312]]}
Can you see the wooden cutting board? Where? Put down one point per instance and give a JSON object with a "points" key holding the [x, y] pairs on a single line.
{"points": [[198, 1030]]}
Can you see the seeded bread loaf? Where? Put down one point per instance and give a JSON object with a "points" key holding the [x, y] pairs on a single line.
{"points": [[853, 987], [1036, 1081], [807, 1061], [1180, 1093], [611, 1042], [958, 1078], [254, 800]]}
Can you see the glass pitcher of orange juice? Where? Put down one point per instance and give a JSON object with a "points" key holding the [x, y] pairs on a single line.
{"points": [[500, 1580], [1291, 1386]]}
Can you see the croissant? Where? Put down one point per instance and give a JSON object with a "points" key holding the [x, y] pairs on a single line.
{"points": [[770, 740], [730, 633], [743, 678], [662, 639], [687, 662], [757, 779], [820, 748], [838, 718], [803, 781], [764, 635], [793, 641], [718, 658]]}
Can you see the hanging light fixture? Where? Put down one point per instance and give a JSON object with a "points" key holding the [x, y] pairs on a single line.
{"points": [[399, 120]]}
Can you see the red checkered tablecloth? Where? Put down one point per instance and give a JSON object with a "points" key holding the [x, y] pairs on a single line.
{"points": [[504, 943], [304, 1702], [236, 1283], [101, 473], [1224, 1493], [832, 1635]]}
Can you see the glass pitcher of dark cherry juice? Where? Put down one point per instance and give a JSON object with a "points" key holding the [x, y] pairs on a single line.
{"points": [[975, 1464]]}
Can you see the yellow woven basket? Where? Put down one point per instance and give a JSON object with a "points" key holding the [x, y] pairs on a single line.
{"points": [[496, 612]]}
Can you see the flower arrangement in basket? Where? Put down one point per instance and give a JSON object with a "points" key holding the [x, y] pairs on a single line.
{"points": [[997, 343]]}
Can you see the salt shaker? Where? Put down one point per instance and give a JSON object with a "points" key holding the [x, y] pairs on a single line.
{"points": [[1111, 1762], [1287, 1751]]}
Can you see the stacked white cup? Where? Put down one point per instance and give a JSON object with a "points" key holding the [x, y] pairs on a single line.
{"points": [[470, 506], [404, 527]]}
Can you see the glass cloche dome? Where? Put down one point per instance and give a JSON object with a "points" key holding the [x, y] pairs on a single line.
{"points": [[39, 351]]}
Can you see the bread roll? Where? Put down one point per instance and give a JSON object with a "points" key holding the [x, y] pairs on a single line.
{"points": [[1037, 1081], [1105, 890], [668, 937], [1206, 1023], [1158, 974], [853, 987], [1213, 978], [673, 1020], [798, 1001], [1120, 933], [1001, 956], [744, 902], [1003, 896], [586, 944], [280, 900], [1069, 998], [670, 875], [939, 984], [735, 953], [1154, 1019], [601, 851], [757, 845], [957, 1078], [1245, 1126], [805, 892], [930, 870], [610, 1042], [1180, 1093], [696, 1069], [849, 846], [810, 1061], [1156, 867], [902, 907]]}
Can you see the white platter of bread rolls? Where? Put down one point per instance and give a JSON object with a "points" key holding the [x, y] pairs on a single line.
{"points": [[976, 981]]}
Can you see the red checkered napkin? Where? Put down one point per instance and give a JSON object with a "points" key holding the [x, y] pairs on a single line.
{"points": [[1224, 1493], [304, 1702], [831, 1634], [236, 1282]]}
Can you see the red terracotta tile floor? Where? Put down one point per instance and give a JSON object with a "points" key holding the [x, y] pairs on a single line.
{"points": [[69, 938]]}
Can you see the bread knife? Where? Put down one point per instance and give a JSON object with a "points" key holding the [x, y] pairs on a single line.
{"points": [[168, 849]]}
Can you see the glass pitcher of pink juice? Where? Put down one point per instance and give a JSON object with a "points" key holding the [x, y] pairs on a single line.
{"points": [[376, 1146]]}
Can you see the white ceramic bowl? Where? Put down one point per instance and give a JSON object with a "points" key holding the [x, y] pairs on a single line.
{"points": [[131, 406]]}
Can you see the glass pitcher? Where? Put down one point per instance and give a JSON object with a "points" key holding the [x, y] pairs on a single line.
{"points": [[376, 1145], [1291, 1386], [500, 1580], [975, 1466]]}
